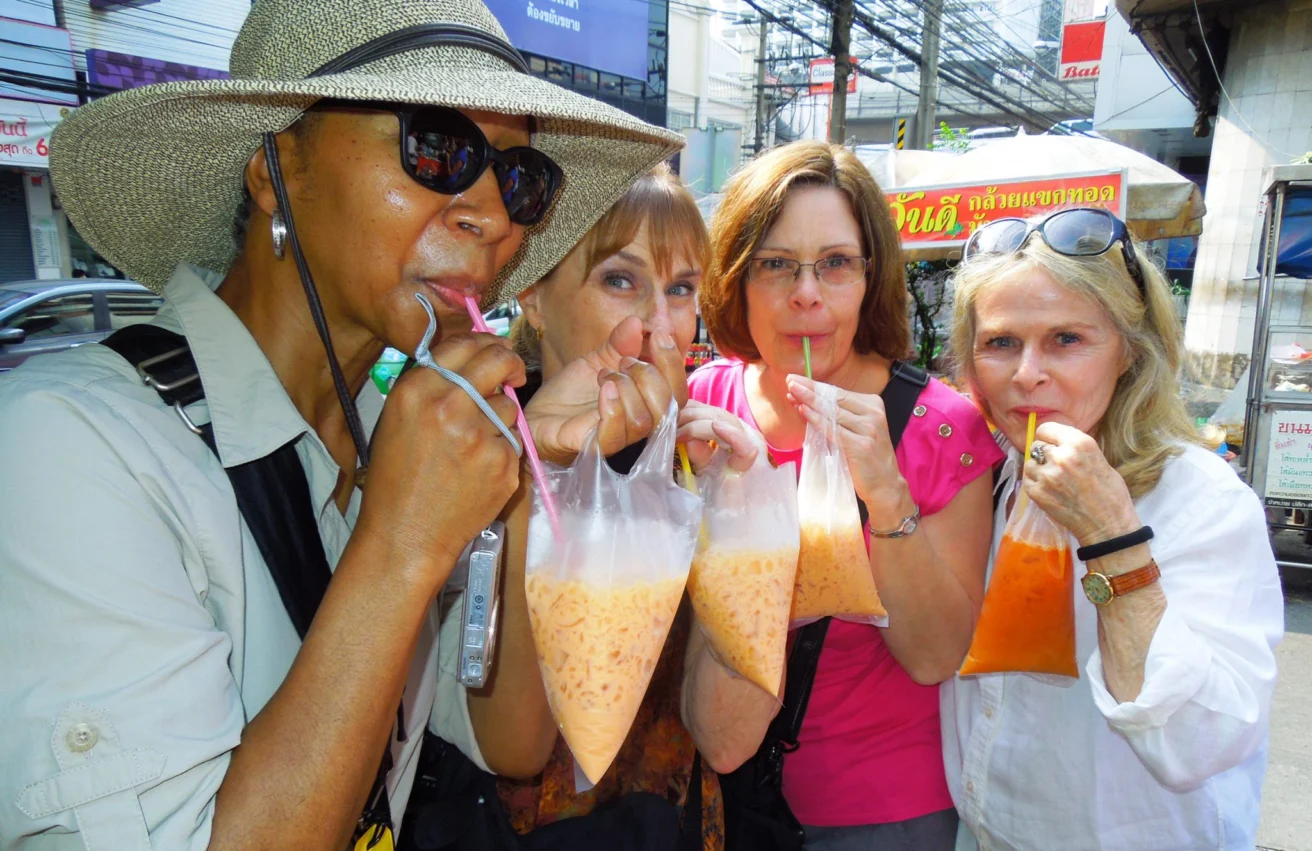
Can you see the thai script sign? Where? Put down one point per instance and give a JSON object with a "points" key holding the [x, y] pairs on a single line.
{"points": [[946, 216], [25, 132], [1289, 461]]}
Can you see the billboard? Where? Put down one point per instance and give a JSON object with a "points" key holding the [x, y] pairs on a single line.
{"points": [[1081, 49], [609, 35], [947, 216], [822, 77], [40, 61]]}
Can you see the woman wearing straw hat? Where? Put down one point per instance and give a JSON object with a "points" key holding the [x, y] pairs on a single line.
{"points": [[155, 690]]}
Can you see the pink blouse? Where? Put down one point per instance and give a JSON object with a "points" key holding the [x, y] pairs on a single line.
{"points": [[871, 751]]}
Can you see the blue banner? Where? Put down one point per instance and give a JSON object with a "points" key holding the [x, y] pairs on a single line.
{"points": [[609, 35]]}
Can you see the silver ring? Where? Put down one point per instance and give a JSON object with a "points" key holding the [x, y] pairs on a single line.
{"points": [[1036, 452]]}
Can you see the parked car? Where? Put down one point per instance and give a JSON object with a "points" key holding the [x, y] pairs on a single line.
{"points": [[39, 317]]}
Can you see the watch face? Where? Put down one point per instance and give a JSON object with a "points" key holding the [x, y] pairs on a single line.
{"points": [[910, 526], [1097, 588]]}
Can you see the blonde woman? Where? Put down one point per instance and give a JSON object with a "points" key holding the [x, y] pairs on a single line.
{"points": [[1162, 741]]}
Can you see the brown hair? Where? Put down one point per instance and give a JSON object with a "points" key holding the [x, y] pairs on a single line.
{"points": [[752, 203], [660, 200]]}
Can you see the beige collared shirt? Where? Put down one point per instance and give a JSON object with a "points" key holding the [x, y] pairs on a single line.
{"points": [[140, 630]]}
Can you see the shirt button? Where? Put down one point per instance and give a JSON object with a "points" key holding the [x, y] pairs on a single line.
{"points": [[970, 787], [945, 430], [82, 738], [919, 410], [988, 713], [967, 459]]}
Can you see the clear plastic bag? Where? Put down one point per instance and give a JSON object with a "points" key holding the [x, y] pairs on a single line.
{"points": [[1027, 622], [833, 570], [741, 584], [601, 599]]}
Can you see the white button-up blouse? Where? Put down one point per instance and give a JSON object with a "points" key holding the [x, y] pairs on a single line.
{"points": [[1037, 766]]}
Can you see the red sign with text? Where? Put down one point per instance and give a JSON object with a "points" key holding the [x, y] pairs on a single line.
{"points": [[1081, 50], [822, 77], [946, 216]]}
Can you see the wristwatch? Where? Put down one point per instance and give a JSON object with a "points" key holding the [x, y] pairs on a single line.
{"points": [[908, 527], [1102, 589]]}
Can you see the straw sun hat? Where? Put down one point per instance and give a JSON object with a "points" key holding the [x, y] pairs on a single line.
{"points": [[153, 176]]}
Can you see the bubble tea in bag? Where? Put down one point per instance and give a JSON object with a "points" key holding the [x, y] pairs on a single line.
{"points": [[741, 584], [1027, 622], [833, 570], [602, 596]]}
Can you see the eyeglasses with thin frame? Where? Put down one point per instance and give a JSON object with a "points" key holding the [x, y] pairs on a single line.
{"points": [[1081, 232], [445, 151], [836, 271]]}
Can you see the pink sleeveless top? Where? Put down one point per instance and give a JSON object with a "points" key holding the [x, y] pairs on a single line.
{"points": [[870, 743]]}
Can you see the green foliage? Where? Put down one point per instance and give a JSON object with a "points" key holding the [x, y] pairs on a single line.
{"points": [[952, 140], [929, 284]]}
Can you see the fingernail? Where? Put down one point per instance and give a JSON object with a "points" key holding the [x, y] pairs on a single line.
{"points": [[663, 339], [609, 391]]}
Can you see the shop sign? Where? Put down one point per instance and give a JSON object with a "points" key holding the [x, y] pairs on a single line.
{"points": [[822, 77], [946, 216], [1289, 460], [1081, 50], [25, 129]]}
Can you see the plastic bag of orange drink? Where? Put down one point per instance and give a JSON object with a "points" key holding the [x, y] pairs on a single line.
{"points": [[833, 569], [741, 584], [603, 594], [1027, 622]]}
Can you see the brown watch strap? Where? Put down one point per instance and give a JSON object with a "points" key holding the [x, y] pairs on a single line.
{"points": [[1138, 578]]}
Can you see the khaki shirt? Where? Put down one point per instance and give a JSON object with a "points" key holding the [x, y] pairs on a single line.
{"points": [[140, 630]]}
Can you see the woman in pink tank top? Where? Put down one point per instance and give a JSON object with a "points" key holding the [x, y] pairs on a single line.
{"points": [[804, 246]]}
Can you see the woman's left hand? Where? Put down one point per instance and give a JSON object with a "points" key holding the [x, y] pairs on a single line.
{"points": [[863, 434], [1076, 487]]}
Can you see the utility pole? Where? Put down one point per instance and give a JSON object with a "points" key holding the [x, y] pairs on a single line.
{"points": [[840, 46], [928, 74], [760, 86]]}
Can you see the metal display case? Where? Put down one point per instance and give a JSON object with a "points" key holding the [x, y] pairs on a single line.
{"points": [[1277, 444]]}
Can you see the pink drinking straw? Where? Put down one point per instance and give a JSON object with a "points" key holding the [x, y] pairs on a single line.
{"points": [[534, 462]]}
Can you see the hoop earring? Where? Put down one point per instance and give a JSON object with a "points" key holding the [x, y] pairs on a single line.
{"points": [[278, 229]]}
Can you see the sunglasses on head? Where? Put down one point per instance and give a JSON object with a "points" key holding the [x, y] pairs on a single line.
{"points": [[1083, 232], [445, 151]]}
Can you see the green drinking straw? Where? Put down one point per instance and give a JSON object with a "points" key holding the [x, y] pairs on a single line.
{"points": [[806, 354]]}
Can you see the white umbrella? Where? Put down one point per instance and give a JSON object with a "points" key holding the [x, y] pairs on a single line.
{"points": [[1161, 202]]}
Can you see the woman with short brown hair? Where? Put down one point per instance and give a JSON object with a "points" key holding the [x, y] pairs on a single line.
{"points": [[804, 247]]}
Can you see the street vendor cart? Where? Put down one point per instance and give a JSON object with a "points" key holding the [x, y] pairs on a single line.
{"points": [[1277, 444]]}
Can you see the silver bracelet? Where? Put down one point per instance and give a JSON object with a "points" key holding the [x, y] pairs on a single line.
{"points": [[908, 527]]}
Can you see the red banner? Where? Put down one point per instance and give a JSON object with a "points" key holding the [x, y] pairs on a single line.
{"points": [[1081, 49], [946, 216]]}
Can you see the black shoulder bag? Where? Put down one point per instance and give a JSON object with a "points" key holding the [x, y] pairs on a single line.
{"points": [[273, 496], [756, 816]]}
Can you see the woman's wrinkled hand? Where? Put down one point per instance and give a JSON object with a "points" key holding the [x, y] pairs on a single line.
{"points": [[700, 424], [1077, 488], [863, 435], [609, 390]]}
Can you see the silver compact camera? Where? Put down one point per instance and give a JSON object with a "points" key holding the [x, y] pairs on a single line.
{"points": [[478, 574]]}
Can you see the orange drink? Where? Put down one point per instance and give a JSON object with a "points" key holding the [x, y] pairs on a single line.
{"points": [[833, 573], [597, 646], [742, 599], [1027, 622]]}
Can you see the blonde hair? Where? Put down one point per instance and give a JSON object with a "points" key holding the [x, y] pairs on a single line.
{"points": [[1146, 421], [753, 201], [677, 229]]}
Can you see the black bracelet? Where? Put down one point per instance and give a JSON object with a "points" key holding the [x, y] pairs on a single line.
{"points": [[1142, 535]]}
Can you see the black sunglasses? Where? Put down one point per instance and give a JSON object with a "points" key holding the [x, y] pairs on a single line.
{"points": [[445, 151], [1082, 232]]}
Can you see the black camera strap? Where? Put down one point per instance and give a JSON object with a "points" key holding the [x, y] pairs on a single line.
{"points": [[904, 386], [273, 496]]}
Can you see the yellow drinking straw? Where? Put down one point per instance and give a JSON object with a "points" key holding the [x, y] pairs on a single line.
{"points": [[1029, 444], [690, 482], [806, 354]]}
